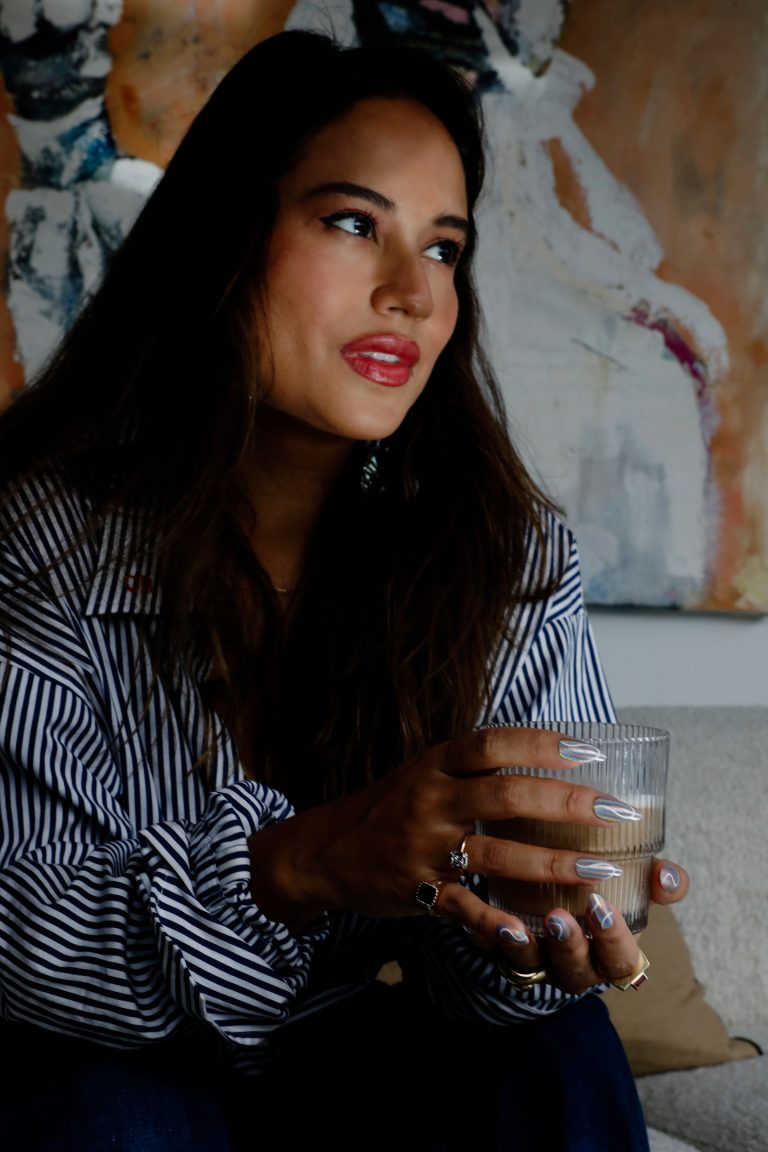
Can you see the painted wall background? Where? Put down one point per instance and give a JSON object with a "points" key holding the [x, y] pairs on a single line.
{"points": [[623, 250]]}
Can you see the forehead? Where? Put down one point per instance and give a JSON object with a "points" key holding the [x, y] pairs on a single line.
{"points": [[387, 143]]}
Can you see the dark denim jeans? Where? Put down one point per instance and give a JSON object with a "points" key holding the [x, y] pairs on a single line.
{"points": [[383, 1071]]}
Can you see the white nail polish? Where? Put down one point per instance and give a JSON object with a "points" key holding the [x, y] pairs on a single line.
{"points": [[600, 910], [669, 878], [597, 870], [609, 809], [579, 752]]}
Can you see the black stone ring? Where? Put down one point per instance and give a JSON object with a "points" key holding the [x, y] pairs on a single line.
{"points": [[427, 894]]}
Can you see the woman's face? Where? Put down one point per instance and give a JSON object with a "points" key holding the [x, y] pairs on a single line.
{"points": [[359, 297]]}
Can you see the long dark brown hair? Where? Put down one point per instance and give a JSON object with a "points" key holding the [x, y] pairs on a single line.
{"points": [[150, 401]]}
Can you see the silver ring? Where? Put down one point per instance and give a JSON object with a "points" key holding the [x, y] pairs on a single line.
{"points": [[427, 894], [459, 857]]}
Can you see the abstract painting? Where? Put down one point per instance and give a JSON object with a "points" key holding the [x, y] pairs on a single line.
{"points": [[623, 248]]}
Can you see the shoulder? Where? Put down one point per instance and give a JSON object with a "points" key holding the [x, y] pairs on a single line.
{"points": [[556, 532], [43, 510], [553, 551], [44, 529], [55, 544]]}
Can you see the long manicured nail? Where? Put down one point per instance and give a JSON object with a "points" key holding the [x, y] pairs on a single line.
{"points": [[669, 878], [608, 808], [578, 752], [557, 928], [601, 911], [512, 935], [597, 870]]}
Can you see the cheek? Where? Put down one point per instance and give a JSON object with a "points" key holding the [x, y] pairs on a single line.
{"points": [[306, 294], [448, 309], [454, 309]]}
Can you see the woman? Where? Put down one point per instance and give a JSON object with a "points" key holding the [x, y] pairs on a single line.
{"points": [[275, 586]]}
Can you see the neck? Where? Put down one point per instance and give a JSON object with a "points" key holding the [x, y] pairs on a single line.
{"points": [[294, 469]]}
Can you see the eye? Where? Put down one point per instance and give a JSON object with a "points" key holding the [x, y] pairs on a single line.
{"points": [[445, 252], [355, 222]]}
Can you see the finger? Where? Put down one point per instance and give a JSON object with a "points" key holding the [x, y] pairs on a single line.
{"points": [[518, 946], [569, 958], [616, 953], [491, 856], [488, 928], [669, 882], [485, 750], [509, 796]]}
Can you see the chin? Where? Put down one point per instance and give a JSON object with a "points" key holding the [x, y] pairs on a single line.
{"points": [[377, 432], [380, 427]]}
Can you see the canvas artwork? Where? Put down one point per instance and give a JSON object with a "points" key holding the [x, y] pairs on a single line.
{"points": [[623, 245]]}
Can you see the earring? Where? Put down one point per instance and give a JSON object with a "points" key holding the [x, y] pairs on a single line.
{"points": [[369, 476]]}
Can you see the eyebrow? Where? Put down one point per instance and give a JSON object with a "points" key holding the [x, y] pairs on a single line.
{"points": [[347, 188]]}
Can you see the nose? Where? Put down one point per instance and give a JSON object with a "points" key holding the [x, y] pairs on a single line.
{"points": [[403, 286]]}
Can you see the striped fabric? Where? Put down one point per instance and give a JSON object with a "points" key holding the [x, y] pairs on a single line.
{"points": [[125, 913]]}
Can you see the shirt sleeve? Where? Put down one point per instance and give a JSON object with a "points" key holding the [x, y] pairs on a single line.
{"points": [[111, 929], [551, 672]]}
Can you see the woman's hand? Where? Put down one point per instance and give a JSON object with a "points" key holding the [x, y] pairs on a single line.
{"points": [[574, 960], [369, 851]]}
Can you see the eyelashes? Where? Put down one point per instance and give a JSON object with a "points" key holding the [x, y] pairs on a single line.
{"points": [[357, 222], [450, 251]]}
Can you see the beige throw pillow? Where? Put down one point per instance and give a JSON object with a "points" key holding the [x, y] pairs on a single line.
{"points": [[667, 1023]]}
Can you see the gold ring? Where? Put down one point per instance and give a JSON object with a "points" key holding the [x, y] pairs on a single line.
{"points": [[636, 978], [521, 980], [459, 857], [427, 894]]}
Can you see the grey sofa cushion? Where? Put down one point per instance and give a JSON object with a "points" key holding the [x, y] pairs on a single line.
{"points": [[723, 1108], [669, 1024], [718, 798], [661, 1142]]}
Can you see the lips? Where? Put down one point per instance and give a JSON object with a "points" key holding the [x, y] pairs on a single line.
{"points": [[385, 359]]}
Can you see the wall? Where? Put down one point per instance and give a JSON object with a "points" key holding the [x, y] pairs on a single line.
{"points": [[667, 658]]}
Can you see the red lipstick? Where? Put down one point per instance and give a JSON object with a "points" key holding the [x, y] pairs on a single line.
{"points": [[384, 359]]}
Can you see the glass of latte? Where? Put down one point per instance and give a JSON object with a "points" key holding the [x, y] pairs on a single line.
{"points": [[634, 771]]}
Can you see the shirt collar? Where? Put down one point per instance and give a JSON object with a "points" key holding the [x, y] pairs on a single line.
{"points": [[120, 589]]}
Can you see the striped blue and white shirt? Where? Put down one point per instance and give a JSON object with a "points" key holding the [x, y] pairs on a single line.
{"points": [[125, 912]]}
